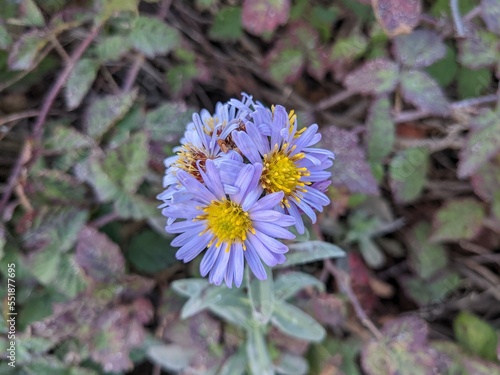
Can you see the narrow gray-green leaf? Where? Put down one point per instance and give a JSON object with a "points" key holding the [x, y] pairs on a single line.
{"points": [[171, 357], [234, 308], [311, 251], [257, 352], [288, 364], [261, 294], [189, 287], [288, 284], [294, 322], [234, 364], [207, 296], [79, 82]]}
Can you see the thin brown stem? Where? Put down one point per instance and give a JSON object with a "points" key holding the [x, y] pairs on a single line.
{"points": [[133, 72], [333, 100]]}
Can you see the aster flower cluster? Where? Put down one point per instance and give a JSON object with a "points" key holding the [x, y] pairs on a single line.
{"points": [[240, 178]]}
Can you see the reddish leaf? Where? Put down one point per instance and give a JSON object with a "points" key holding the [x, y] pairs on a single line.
{"points": [[486, 181], [397, 16], [261, 16], [100, 257], [423, 92], [350, 168], [418, 49], [482, 143], [375, 77], [490, 11]]}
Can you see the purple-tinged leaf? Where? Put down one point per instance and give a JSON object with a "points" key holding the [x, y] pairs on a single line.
{"points": [[380, 130], [26, 49], [350, 168], [486, 181], [264, 16], [478, 50], [408, 171], [397, 16], [100, 258], [374, 77], [482, 143], [419, 89], [409, 332], [419, 49], [490, 11], [458, 219]]}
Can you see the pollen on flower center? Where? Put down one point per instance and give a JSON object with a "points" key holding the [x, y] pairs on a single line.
{"points": [[189, 156], [281, 172], [227, 221]]}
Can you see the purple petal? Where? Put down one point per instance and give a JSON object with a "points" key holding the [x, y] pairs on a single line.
{"points": [[219, 269], [246, 146], [280, 121], [254, 244], [294, 212], [212, 179], [270, 216], [184, 238], [254, 262], [268, 202], [183, 226], [307, 209], [243, 181], [195, 187], [273, 230], [191, 250], [209, 259], [273, 245]]}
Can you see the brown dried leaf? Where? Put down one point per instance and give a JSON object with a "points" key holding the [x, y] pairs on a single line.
{"points": [[397, 16]]}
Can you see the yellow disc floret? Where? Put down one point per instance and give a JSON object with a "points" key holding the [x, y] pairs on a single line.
{"points": [[227, 221], [281, 172], [189, 156]]}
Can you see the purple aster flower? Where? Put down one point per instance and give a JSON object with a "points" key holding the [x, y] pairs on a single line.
{"points": [[290, 164], [232, 227]]}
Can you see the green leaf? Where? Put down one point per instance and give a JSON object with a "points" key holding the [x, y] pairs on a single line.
{"points": [[444, 70], [233, 307], [427, 259], [311, 251], [127, 164], [167, 122], [380, 131], [69, 278], [233, 365], [419, 89], [129, 206], [482, 143], [257, 352], [66, 138], [296, 323], [227, 25], [285, 65], [180, 77], [288, 284], [478, 50], [473, 83], [371, 253], [377, 76], [476, 335], [458, 219], [110, 8], [189, 287], [349, 48], [150, 253], [209, 295], [435, 290], [32, 16], [5, 38], [106, 111], [79, 82], [112, 48], [261, 293], [26, 49], [91, 171], [408, 172], [171, 357], [419, 49], [288, 364], [153, 37], [320, 355]]}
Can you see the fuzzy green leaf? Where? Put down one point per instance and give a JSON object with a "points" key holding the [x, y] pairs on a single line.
{"points": [[408, 171], [79, 82], [153, 37]]}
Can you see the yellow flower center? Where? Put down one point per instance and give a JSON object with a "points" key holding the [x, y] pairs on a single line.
{"points": [[189, 155], [281, 173], [227, 221]]}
